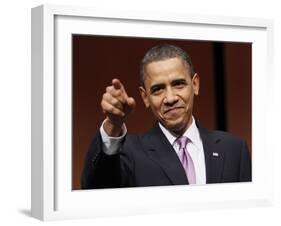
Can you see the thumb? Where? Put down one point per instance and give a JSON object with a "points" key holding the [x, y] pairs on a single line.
{"points": [[131, 102]]}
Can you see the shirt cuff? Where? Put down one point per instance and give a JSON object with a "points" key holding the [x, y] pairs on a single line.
{"points": [[111, 145]]}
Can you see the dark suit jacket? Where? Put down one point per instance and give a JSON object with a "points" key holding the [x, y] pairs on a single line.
{"points": [[150, 160]]}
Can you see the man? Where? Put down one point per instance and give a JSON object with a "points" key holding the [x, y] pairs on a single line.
{"points": [[177, 150]]}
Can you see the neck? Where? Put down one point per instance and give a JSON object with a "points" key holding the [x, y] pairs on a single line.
{"points": [[179, 131]]}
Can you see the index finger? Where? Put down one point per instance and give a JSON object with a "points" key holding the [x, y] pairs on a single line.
{"points": [[117, 84]]}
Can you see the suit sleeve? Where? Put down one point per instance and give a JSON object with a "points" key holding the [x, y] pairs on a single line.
{"points": [[245, 164], [105, 171]]}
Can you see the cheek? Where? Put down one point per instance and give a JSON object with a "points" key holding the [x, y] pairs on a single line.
{"points": [[188, 98], [188, 103], [155, 104]]}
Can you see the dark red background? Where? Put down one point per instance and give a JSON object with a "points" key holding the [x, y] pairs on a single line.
{"points": [[98, 59]]}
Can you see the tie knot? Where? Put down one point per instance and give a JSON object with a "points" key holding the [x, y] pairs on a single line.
{"points": [[182, 141]]}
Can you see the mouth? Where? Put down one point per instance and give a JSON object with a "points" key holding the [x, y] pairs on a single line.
{"points": [[173, 111]]}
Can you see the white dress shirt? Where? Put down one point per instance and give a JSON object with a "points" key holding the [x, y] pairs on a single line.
{"points": [[194, 148], [111, 145]]}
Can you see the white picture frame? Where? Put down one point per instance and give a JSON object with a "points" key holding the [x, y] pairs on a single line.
{"points": [[52, 196]]}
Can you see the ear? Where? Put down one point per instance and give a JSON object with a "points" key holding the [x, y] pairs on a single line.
{"points": [[196, 84], [144, 96]]}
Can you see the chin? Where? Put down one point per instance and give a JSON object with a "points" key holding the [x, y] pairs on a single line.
{"points": [[177, 128]]}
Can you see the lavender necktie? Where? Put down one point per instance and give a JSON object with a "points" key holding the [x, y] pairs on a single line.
{"points": [[186, 159]]}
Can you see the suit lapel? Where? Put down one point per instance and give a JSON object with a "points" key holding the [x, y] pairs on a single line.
{"points": [[161, 152], [214, 155]]}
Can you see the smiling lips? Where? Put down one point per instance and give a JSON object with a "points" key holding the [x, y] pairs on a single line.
{"points": [[173, 111]]}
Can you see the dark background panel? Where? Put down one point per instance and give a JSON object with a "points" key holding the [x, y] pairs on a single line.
{"points": [[225, 85], [238, 70]]}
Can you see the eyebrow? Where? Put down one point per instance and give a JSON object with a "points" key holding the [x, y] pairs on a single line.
{"points": [[179, 81]]}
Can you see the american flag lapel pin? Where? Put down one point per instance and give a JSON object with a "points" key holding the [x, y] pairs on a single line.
{"points": [[215, 154]]}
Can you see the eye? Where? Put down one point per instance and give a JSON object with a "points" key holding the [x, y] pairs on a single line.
{"points": [[180, 83], [156, 89]]}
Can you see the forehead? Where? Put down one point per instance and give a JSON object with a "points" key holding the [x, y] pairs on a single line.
{"points": [[168, 68]]}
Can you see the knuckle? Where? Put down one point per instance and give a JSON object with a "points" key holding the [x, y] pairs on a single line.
{"points": [[115, 102], [104, 96], [108, 89], [110, 109], [118, 92], [104, 106]]}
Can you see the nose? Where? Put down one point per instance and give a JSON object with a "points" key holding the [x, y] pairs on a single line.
{"points": [[170, 97]]}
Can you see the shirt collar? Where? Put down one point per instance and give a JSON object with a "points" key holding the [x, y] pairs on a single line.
{"points": [[192, 133]]}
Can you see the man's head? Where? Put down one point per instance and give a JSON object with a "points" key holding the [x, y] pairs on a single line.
{"points": [[163, 52], [168, 86]]}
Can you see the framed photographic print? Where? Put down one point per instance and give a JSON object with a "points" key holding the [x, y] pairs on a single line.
{"points": [[76, 52]]}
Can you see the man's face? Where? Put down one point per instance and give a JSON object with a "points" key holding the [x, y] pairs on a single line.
{"points": [[169, 91]]}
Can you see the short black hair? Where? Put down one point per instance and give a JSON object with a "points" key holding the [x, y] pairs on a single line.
{"points": [[163, 52]]}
